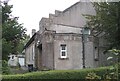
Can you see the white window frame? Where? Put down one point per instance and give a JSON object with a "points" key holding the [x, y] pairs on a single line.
{"points": [[63, 51]]}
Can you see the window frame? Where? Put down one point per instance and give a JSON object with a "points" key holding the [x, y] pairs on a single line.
{"points": [[61, 50]]}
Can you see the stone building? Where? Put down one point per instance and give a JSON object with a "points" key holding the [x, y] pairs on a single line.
{"points": [[58, 44], [16, 60]]}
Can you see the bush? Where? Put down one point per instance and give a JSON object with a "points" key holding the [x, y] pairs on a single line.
{"points": [[5, 67], [58, 74], [92, 75]]}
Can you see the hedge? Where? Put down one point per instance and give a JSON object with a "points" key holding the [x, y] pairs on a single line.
{"points": [[57, 74]]}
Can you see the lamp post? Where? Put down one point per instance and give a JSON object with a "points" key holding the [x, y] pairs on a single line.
{"points": [[85, 34]]}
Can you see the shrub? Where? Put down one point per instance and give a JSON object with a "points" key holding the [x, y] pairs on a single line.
{"points": [[92, 75], [5, 67], [58, 74]]}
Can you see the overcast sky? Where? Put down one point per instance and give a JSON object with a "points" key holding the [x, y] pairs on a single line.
{"points": [[30, 12]]}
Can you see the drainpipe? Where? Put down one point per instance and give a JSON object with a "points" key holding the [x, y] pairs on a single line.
{"points": [[83, 51], [85, 34]]}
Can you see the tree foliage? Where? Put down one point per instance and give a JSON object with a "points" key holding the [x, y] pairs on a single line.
{"points": [[0, 43], [12, 31], [107, 22]]}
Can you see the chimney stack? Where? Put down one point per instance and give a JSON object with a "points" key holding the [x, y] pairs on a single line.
{"points": [[33, 31]]}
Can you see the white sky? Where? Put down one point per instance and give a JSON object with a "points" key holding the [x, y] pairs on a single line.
{"points": [[30, 12]]}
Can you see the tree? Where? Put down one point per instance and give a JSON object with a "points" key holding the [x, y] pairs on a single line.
{"points": [[22, 43], [107, 21], [0, 32], [12, 31]]}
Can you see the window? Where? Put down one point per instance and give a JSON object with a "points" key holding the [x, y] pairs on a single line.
{"points": [[33, 52], [63, 52], [96, 54], [12, 57]]}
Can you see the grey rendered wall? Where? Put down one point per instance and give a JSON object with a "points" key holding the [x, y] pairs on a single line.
{"points": [[74, 53], [47, 51], [44, 23], [29, 55], [74, 15], [89, 58], [65, 29], [70, 20]]}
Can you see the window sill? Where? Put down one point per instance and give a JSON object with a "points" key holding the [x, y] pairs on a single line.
{"points": [[63, 58]]}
